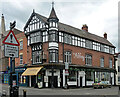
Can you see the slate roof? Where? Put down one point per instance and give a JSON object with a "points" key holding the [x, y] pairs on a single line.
{"points": [[75, 31], [78, 32], [53, 14]]}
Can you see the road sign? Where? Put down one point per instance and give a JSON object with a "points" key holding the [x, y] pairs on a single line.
{"points": [[66, 65], [11, 51], [66, 72], [11, 39]]}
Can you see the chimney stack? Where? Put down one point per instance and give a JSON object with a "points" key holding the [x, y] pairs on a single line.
{"points": [[85, 28], [105, 35]]}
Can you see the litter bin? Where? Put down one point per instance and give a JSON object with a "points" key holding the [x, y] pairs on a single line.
{"points": [[16, 91]]}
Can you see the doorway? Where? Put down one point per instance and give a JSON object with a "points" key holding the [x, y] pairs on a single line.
{"points": [[33, 81], [55, 81], [81, 82]]}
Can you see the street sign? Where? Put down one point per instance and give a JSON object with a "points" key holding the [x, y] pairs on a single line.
{"points": [[66, 72], [11, 39], [11, 51], [66, 68], [66, 65]]}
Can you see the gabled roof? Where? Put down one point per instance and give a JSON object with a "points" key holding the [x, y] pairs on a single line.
{"points": [[78, 32]]}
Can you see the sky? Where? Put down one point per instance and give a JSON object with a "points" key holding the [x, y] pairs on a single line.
{"points": [[100, 15]]}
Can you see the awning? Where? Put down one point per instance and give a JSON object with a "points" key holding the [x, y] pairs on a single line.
{"points": [[32, 71]]}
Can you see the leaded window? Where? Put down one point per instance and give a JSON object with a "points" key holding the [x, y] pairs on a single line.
{"points": [[37, 57], [96, 46], [106, 48], [60, 37], [88, 44], [36, 37], [53, 36], [102, 48], [45, 36]]}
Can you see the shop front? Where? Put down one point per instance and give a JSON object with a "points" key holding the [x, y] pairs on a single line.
{"points": [[34, 75], [17, 77]]}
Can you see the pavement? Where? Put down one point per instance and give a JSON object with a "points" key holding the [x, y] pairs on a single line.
{"points": [[106, 92]]}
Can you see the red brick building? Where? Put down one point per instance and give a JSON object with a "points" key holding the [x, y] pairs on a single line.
{"points": [[52, 45]]}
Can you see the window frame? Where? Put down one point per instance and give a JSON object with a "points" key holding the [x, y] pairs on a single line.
{"points": [[88, 59]]}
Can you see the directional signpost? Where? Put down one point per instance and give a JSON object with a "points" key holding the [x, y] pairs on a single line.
{"points": [[11, 49]]}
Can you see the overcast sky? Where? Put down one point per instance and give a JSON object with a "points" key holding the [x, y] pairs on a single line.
{"points": [[100, 15]]}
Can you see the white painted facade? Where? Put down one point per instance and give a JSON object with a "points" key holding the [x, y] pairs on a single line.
{"points": [[56, 73]]}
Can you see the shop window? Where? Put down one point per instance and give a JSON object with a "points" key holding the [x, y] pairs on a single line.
{"points": [[89, 76], [21, 45], [22, 79], [97, 77], [68, 57], [72, 76], [53, 56], [118, 68], [102, 62], [21, 59], [88, 59], [119, 79]]}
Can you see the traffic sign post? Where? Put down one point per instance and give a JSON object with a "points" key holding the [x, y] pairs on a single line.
{"points": [[11, 50]]}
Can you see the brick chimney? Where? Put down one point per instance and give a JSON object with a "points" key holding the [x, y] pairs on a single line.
{"points": [[85, 28], [105, 35]]}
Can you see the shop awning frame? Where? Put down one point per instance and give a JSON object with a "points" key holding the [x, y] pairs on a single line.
{"points": [[31, 71]]}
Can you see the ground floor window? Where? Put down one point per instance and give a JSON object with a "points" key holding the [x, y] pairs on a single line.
{"points": [[6, 78], [89, 76], [39, 78], [102, 76], [72, 76], [105, 76], [118, 79], [22, 79], [97, 79]]}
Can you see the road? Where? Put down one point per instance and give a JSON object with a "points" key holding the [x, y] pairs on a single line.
{"points": [[79, 91]]}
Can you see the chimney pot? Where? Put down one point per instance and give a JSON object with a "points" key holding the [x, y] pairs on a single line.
{"points": [[105, 35], [85, 28]]}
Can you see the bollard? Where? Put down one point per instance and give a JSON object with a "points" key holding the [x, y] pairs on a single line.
{"points": [[24, 93]]}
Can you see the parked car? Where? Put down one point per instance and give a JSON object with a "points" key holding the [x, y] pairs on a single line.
{"points": [[101, 84]]}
